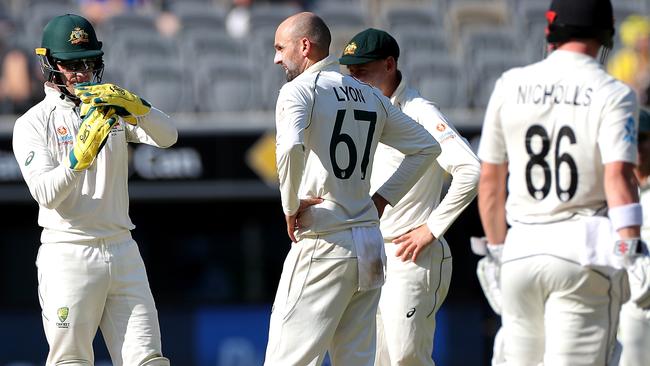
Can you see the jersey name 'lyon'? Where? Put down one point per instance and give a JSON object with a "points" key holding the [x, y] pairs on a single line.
{"points": [[554, 93], [349, 93]]}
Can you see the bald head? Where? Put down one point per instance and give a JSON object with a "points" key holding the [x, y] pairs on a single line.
{"points": [[310, 26], [301, 40]]}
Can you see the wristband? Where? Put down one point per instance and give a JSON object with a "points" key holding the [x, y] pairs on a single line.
{"points": [[626, 216]]}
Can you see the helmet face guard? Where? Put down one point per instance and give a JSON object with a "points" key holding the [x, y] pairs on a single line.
{"points": [[52, 74]]}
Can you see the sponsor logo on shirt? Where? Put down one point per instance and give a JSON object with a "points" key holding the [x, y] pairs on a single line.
{"points": [[410, 313], [63, 136], [630, 131], [29, 159]]}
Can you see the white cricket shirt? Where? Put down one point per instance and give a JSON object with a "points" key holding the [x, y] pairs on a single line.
{"points": [[556, 123], [422, 203], [328, 126], [77, 206]]}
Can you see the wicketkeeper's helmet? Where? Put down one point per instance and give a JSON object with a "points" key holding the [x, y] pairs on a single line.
{"points": [[70, 40], [580, 19]]}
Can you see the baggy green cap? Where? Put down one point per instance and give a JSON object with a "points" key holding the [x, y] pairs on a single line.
{"points": [[370, 45], [70, 37]]}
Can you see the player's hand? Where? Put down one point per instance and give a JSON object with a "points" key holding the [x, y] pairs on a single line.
{"points": [[413, 242], [380, 203], [92, 135], [85, 107], [126, 104], [293, 221]]}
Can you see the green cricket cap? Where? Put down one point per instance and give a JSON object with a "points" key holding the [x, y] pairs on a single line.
{"points": [[369, 45], [644, 120], [70, 37]]}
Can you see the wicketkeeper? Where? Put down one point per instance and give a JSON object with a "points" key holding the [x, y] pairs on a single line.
{"points": [[72, 151]]}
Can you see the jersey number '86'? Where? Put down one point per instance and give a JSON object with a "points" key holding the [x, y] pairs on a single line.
{"points": [[538, 160], [343, 138]]}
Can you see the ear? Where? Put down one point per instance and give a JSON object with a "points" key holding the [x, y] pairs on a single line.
{"points": [[305, 46], [391, 64]]}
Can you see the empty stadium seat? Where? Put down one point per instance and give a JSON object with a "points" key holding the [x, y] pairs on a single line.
{"points": [[440, 79], [475, 40], [270, 15], [206, 19], [167, 87], [465, 15], [420, 17], [412, 41], [337, 16], [198, 44], [227, 87], [486, 70], [145, 49]]}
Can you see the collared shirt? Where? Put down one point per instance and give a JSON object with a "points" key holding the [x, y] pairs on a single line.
{"points": [[557, 123], [328, 127], [88, 204], [422, 204]]}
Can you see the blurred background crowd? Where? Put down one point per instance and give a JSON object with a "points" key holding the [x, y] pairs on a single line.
{"points": [[217, 55], [209, 64]]}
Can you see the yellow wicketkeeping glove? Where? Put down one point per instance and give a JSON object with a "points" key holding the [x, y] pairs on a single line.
{"points": [[126, 104], [91, 137], [85, 108]]}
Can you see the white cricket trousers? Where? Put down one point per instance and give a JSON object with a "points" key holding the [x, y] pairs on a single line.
{"points": [[556, 311], [410, 298], [318, 306], [634, 335], [99, 283]]}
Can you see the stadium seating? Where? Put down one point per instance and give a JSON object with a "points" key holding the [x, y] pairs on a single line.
{"points": [[487, 35], [440, 78], [226, 85], [166, 86]]}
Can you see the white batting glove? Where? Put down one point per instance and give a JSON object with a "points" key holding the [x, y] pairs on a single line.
{"points": [[488, 270], [639, 276], [633, 253]]}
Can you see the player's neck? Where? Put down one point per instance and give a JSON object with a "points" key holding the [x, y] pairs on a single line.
{"points": [[392, 84], [587, 47]]}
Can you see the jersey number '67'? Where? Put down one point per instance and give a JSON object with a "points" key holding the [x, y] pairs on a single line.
{"points": [[539, 159], [343, 138]]}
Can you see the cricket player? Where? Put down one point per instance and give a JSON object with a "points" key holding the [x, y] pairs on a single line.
{"points": [[72, 151], [562, 134], [634, 330], [419, 262], [328, 127]]}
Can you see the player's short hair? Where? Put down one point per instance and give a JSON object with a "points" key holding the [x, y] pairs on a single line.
{"points": [[317, 32]]}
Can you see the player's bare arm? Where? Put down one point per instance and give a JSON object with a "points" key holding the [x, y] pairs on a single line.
{"points": [[380, 203], [491, 201], [621, 189]]}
